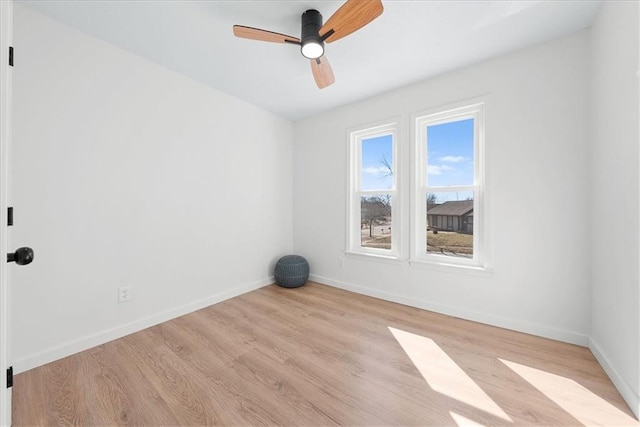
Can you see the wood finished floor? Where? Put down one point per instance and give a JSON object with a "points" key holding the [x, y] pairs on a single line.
{"points": [[317, 355]]}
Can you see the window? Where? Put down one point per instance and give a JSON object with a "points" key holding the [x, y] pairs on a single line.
{"points": [[448, 193], [373, 195], [446, 220]]}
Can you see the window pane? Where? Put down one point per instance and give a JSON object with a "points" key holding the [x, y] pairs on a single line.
{"points": [[375, 221], [450, 223], [450, 153], [377, 163]]}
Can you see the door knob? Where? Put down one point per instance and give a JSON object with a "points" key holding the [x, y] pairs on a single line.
{"points": [[22, 256]]}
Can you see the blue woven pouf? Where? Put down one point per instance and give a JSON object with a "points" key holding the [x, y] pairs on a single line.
{"points": [[291, 271]]}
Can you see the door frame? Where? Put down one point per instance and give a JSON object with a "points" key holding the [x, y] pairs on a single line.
{"points": [[6, 40]]}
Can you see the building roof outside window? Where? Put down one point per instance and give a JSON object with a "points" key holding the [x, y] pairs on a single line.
{"points": [[453, 208]]}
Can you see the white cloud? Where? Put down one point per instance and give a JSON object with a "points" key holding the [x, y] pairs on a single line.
{"points": [[438, 169], [453, 159], [434, 170], [381, 170]]}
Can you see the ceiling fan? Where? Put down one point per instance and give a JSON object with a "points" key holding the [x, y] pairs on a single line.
{"points": [[350, 17]]}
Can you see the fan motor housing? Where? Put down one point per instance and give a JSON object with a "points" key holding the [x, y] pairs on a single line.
{"points": [[311, 24]]}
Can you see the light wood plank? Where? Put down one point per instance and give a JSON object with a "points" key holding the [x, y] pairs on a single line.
{"points": [[322, 72], [350, 17], [315, 355], [262, 35]]}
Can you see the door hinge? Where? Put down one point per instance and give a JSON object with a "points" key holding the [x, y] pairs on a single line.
{"points": [[10, 377], [10, 216], [11, 56]]}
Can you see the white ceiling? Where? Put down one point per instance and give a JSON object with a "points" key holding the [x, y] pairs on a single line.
{"points": [[411, 41]]}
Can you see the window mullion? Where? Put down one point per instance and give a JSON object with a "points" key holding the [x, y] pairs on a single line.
{"points": [[450, 189]]}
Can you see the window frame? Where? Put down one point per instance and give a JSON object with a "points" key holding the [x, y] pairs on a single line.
{"points": [[354, 191], [421, 121]]}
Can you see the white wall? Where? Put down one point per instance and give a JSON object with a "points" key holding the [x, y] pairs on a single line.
{"points": [[537, 166], [615, 325], [128, 174]]}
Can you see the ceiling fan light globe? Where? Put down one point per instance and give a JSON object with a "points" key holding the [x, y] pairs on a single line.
{"points": [[312, 50]]}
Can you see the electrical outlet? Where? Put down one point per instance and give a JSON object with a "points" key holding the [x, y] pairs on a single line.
{"points": [[124, 293], [340, 262]]}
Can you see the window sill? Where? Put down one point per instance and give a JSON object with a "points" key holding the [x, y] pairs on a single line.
{"points": [[388, 259], [470, 270]]}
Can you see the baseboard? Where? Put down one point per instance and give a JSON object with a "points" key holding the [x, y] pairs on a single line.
{"points": [[81, 344], [629, 396], [528, 328], [632, 399]]}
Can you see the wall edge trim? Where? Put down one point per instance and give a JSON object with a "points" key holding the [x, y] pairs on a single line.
{"points": [[627, 393], [501, 322]]}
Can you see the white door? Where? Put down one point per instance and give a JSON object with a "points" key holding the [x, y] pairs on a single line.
{"points": [[6, 20]]}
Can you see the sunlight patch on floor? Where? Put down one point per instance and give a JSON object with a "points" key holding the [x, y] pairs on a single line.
{"points": [[464, 421], [443, 374], [581, 403]]}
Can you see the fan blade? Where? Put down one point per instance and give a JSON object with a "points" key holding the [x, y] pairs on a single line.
{"points": [[263, 35], [322, 72], [351, 16]]}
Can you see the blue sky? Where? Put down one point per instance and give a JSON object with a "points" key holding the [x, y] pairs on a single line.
{"points": [[449, 154], [374, 173]]}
